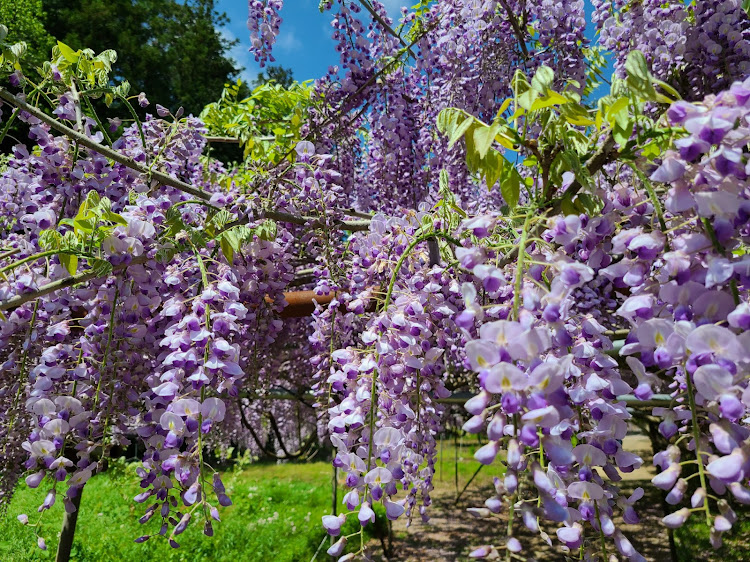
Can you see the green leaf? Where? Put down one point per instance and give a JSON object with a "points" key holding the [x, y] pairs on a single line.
{"points": [[473, 161], [444, 180], [267, 230], [668, 88], [226, 248], [576, 114], [93, 200], [197, 238], [591, 204], [165, 254], [639, 79], [50, 239], [527, 99], [637, 66], [542, 80], [101, 268], [651, 150], [621, 135], [618, 113], [551, 99], [493, 167], [511, 188], [459, 131], [70, 55], [447, 120], [84, 225], [568, 207], [506, 104], [519, 83], [69, 262], [115, 218], [484, 136]]}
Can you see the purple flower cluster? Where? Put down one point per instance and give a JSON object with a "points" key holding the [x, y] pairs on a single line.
{"points": [[263, 22], [708, 40], [145, 352]]}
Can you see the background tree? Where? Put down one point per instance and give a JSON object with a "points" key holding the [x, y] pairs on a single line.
{"points": [[25, 22], [172, 50], [276, 73]]}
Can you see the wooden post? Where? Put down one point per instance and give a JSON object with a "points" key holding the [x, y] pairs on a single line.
{"points": [[68, 531], [334, 493], [455, 458], [440, 456]]}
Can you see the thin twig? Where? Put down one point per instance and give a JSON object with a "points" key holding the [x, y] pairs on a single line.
{"points": [[101, 149], [387, 27], [18, 300], [516, 28]]}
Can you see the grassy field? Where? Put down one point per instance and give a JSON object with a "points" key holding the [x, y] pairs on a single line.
{"points": [[275, 516]]}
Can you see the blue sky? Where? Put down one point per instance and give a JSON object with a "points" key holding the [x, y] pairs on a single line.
{"points": [[304, 43]]}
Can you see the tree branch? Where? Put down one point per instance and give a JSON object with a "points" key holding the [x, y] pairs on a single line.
{"points": [[516, 28], [595, 163], [18, 300], [163, 178], [387, 27], [101, 149]]}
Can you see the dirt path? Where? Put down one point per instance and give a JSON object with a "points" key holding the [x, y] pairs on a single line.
{"points": [[452, 533]]}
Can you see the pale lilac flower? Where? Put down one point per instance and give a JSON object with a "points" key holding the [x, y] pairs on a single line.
{"points": [[337, 548], [305, 148], [487, 453], [366, 514], [585, 491], [503, 378], [482, 354], [676, 519], [588, 455], [712, 380], [378, 476], [393, 510], [666, 479], [729, 468], [333, 523]]}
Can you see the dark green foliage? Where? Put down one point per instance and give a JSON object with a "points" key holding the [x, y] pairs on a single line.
{"points": [[277, 74], [24, 20], [171, 50]]}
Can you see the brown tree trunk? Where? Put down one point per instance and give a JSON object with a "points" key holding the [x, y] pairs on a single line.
{"points": [[68, 531]]}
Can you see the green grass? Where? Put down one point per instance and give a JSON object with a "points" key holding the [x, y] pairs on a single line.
{"points": [[275, 516], [692, 540]]}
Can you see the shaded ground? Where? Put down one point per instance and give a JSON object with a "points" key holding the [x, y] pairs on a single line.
{"points": [[452, 533]]}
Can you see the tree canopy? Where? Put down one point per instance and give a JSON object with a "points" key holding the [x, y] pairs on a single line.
{"points": [[172, 50], [25, 22]]}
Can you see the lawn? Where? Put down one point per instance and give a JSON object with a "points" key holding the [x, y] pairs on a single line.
{"points": [[692, 540], [276, 516]]}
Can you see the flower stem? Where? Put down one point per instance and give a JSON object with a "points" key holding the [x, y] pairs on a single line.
{"points": [[697, 439], [519, 264]]}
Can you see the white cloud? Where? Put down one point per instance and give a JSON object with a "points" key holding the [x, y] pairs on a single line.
{"points": [[242, 56], [287, 40]]}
